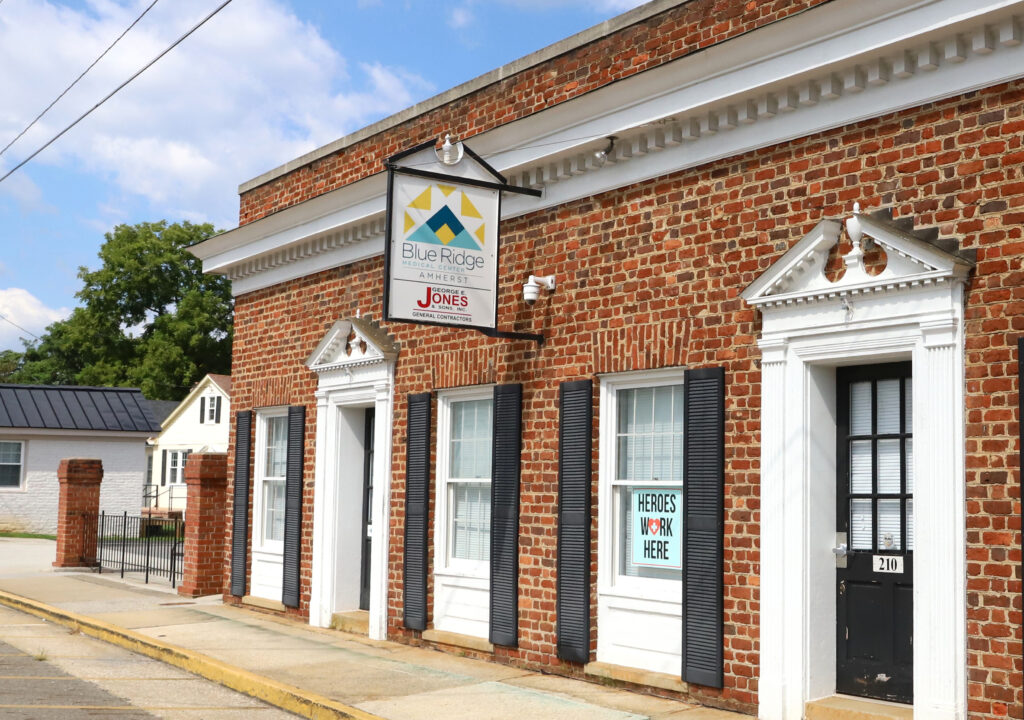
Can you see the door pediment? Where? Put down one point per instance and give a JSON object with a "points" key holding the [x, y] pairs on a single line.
{"points": [[350, 343], [914, 258]]}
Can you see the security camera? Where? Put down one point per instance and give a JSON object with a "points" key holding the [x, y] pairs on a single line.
{"points": [[531, 289]]}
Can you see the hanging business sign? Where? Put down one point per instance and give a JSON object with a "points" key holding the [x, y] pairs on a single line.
{"points": [[442, 244], [656, 527], [444, 252]]}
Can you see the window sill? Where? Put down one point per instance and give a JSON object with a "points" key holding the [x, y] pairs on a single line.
{"points": [[442, 637], [636, 676]]}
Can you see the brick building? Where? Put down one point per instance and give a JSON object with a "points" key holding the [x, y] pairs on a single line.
{"points": [[787, 245]]}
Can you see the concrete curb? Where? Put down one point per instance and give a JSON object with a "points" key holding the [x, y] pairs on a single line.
{"points": [[287, 697]]}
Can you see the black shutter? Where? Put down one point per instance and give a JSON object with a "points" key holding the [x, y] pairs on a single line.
{"points": [[163, 470], [293, 504], [575, 430], [240, 510], [703, 481], [417, 500], [508, 405], [216, 418], [202, 410]]}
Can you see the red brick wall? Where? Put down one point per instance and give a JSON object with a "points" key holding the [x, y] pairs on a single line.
{"points": [[650, 276], [680, 31]]}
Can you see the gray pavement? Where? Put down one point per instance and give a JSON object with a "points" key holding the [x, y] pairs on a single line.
{"points": [[50, 673], [371, 678]]}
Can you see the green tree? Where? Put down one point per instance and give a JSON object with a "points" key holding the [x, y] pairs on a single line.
{"points": [[149, 318]]}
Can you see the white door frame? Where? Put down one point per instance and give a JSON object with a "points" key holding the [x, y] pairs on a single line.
{"points": [[914, 311], [355, 371]]}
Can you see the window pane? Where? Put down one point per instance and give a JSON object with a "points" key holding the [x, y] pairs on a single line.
{"points": [[644, 410], [888, 466], [273, 510], [277, 446], [10, 452], [860, 408], [888, 406], [626, 408], [471, 521], [663, 409], [677, 409], [625, 451], [889, 536], [10, 475], [860, 466], [471, 439], [860, 525]]}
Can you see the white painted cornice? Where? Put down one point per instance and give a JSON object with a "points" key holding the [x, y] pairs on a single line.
{"points": [[787, 80]]}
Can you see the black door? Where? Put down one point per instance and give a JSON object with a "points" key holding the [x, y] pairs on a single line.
{"points": [[875, 609], [364, 576]]}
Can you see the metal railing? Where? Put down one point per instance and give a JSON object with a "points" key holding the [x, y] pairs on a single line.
{"points": [[139, 544], [171, 497]]}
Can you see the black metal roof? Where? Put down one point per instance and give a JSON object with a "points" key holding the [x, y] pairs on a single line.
{"points": [[52, 407]]}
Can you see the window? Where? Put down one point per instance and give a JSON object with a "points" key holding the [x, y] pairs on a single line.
{"points": [[11, 459], [211, 408], [175, 470], [468, 481], [640, 523], [648, 481], [271, 463]]}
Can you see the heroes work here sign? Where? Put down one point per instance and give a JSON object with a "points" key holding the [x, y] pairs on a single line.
{"points": [[657, 527]]}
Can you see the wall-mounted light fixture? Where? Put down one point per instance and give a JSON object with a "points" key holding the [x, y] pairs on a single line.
{"points": [[531, 290], [602, 155]]}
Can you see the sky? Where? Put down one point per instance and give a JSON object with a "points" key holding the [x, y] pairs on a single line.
{"points": [[261, 83]]}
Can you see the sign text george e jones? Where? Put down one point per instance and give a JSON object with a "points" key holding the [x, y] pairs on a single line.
{"points": [[443, 251]]}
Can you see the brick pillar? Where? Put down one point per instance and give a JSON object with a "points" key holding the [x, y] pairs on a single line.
{"points": [[206, 477], [77, 511]]}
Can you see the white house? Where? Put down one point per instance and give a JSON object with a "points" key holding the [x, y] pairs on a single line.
{"points": [[199, 423], [41, 425]]}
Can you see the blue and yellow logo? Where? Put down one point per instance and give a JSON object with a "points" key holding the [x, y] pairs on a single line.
{"points": [[443, 226]]}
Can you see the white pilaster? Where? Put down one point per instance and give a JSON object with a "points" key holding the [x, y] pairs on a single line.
{"points": [[772, 687], [940, 651]]}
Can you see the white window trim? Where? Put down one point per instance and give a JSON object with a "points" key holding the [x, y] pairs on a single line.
{"points": [[443, 564], [608, 581], [178, 454], [258, 543], [211, 409], [20, 487], [622, 599]]}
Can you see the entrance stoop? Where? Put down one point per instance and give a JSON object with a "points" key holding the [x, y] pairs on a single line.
{"points": [[356, 622], [843, 707]]}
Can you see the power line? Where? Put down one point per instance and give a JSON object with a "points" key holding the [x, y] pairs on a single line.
{"points": [[116, 90], [4, 317], [102, 54]]}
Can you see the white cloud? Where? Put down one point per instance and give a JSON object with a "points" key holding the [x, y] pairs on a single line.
{"points": [[602, 6], [21, 307], [460, 17], [253, 88]]}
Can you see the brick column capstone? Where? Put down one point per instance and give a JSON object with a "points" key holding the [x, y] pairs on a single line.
{"points": [[77, 511], [206, 478]]}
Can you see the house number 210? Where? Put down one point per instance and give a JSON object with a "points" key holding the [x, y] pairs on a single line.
{"points": [[888, 563]]}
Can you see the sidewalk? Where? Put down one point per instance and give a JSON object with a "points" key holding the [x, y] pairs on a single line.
{"points": [[312, 672]]}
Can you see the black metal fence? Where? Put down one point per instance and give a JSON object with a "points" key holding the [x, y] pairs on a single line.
{"points": [[138, 544]]}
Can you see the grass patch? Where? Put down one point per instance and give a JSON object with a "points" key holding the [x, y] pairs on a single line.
{"points": [[41, 656], [36, 536]]}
